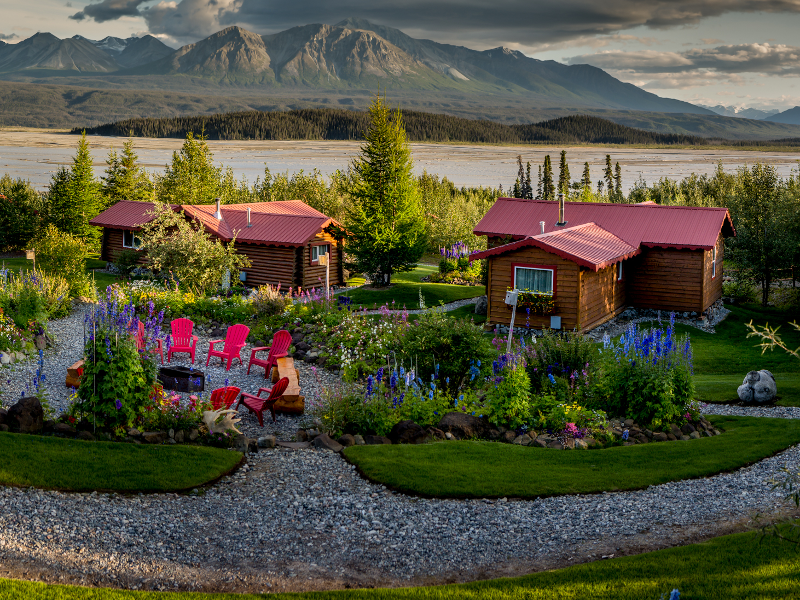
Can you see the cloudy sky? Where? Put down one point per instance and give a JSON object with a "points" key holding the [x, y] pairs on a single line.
{"points": [[730, 52]]}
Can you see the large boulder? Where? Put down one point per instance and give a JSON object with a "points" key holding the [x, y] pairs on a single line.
{"points": [[482, 306], [26, 416], [758, 387], [463, 426], [408, 432]]}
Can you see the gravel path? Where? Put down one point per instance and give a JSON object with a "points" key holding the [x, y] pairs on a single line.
{"points": [[304, 520]]}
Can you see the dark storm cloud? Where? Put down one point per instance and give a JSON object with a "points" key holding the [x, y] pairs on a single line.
{"points": [[468, 22], [109, 10], [774, 59], [9, 36]]}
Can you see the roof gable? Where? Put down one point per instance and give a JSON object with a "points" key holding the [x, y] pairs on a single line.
{"points": [[635, 224]]}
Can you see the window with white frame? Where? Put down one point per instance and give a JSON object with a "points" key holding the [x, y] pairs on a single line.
{"points": [[713, 262], [130, 240], [532, 279], [619, 271], [317, 251]]}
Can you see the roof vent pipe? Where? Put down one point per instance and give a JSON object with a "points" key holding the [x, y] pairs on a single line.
{"points": [[218, 214], [542, 224], [561, 221], [249, 224]]}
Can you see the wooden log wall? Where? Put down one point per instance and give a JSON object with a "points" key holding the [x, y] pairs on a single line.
{"points": [[712, 286], [666, 279], [270, 265], [602, 295], [314, 274], [112, 246], [566, 288]]}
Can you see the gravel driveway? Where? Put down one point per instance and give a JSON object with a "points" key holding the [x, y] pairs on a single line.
{"points": [[305, 520]]}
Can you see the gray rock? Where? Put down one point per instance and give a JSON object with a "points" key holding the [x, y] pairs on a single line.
{"points": [[376, 440], [556, 445], [522, 440], [581, 445], [449, 436], [244, 444], [324, 442], [539, 443], [508, 437], [266, 441], [463, 426], [359, 440], [133, 432], [695, 435], [347, 440], [5, 359], [408, 432], [3, 427], [688, 429], [482, 306], [758, 387], [684, 438], [154, 437], [675, 430], [193, 435], [180, 436], [26, 416], [171, 434], [86, 436], [302, 435], [660, 437]]}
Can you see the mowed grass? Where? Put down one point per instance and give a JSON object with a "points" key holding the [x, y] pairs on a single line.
{"points": [[742, 566], [722, 388], [102, 280], [80, 466], [470, 469], [405, 290]]}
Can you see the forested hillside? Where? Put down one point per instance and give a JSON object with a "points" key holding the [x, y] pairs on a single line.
{"points": [[339, 124]]}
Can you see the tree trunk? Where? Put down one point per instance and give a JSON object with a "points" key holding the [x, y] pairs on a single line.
{"points": [[765, 283]]}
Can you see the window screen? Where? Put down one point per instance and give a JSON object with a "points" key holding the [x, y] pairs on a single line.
{"points": [[533, 280], [317, 251], [130, 240]]}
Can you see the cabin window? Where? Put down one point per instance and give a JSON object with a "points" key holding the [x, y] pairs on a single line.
{"points": [[539, 281], [713, 262], [130, 240], [619, 271], [317, 251]]}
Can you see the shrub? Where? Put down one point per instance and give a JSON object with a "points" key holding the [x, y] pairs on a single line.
{"points": [[741, 289], [509, 395], [566, 356], [127, 261], [11, 337], [33, 296], [21, 208], [448, 348], [268, 301], [647, 377], [118, 380], [62, 253]]}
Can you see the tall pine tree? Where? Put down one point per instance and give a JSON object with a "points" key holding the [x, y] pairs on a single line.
{"points": [[528, 186], [618, 184], [608, 175], [125, 179], [75, 197], [548, 186], [539, 184], [384, 226], [586, 180], [564, 178]]}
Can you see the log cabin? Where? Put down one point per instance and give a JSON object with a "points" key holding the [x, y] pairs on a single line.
{"points": [[596, 259], [284, 240]]}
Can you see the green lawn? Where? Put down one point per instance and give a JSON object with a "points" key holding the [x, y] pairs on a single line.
{"points": [[490, 470], [743, 566], [75, 465], [722, 388], [405, 291], [102, 280], [730, 352]]}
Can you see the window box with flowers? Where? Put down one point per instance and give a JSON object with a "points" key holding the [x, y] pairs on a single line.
{"points": [[538, 303]]}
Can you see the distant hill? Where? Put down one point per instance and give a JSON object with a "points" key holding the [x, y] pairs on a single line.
{"points": [[339, 124], [351, 55], [791, 116], [742, 113]]}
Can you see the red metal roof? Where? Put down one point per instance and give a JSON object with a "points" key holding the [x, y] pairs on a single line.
{"points": [[126, 214], [635, 224], [588, 245], [282, 223]]}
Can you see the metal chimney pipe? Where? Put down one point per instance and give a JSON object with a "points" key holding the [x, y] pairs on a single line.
{"points": [[249, 224], [542, 224], [218, 214], [561, 221]]}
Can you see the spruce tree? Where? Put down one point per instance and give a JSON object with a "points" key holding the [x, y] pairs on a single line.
{"points": [[125, 179], [519, 186], [563, 175], [192, 177], [586, 180], [618, 183], [75, 197], [608, 175], [528, 187], [539, 185], [384, 226], [548, 187]]}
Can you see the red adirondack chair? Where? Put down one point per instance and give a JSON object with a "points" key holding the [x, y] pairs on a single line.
{"points": [[224, 396], [182, 338], [141, 343], [256, 404], [279, 349], [235, 340]]}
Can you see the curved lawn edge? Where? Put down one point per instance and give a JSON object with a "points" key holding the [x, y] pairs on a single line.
{"points": [[70, 465], [474, 470], [730, 567]]}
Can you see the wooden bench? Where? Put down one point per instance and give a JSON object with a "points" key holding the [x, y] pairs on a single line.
{"points": [[74, 374], [292, 401]]}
